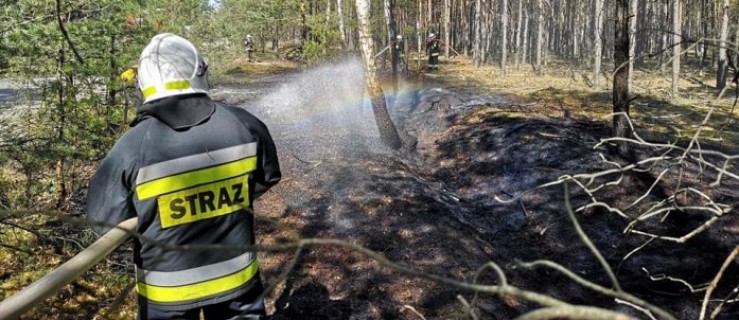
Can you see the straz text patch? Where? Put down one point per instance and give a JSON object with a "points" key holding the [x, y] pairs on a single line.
{"points": [[203, 202]]}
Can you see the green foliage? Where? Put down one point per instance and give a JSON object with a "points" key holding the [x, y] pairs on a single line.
{"points": [[266, 21], [324, 39], [80, 107]]}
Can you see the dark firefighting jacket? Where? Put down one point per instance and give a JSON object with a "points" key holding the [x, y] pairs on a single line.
{"points": [[433, 47], [189, 169], [399, 48]]}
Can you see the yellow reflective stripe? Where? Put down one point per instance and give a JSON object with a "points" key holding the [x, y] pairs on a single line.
{"points": [[198, 290], [190, 179], [172, 85], [197, 274], [194, 162], [178, 85], [149, 91]]}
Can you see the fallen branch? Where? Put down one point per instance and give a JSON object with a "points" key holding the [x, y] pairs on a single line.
{"points": [[574, 313], [662, 314], [661, 276], [587, 242], [716, 279], [14, 248], [734, 293]]}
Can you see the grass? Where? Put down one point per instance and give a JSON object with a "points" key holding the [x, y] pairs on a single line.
{"points": [[234, 69], [36, 244], [569, 90]]}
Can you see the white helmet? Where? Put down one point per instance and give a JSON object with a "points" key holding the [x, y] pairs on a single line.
{"points": [[431, 35], [170, 65], [399, 36], [248, 36]]}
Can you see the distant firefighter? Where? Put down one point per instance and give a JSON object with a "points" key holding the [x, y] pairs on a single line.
{"points": [[248, 47], [433, 47], [399, 52]]}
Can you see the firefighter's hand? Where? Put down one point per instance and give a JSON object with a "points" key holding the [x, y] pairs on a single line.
{"points": [[129, 75]]}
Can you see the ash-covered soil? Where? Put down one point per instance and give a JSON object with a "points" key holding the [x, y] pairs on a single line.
{"points": [[432, 206]]}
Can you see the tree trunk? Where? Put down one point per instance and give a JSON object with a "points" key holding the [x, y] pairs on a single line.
{"points": [[327, 22], [110, 93], [276, 42], [555, 30], [351, 32], [65, 81], [632, 40], [519, 25], [447, 26], [704, 35], [663, 39], [430, 14], [392, 27], [419, 44], [388, 132], [466, 33], [504, 36], [621, 77], [642, 7], [388, 24], [419, 21], [597, 42], [525, 45], [328, 15], [477, 47], [736, 43], [303, 24], [723, 65], [342, 31], [574, 24], [540, 33], [676, 39], [485, 25]]}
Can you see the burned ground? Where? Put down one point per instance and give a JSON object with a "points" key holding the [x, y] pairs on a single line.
{"points": [[433, 207]]}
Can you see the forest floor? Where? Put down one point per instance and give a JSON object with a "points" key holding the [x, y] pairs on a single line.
{"points": [[472, 137]]}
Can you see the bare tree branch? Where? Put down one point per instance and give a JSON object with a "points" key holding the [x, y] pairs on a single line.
{"points": [[412, 309], [643, 310], [574, 313], [716, 279], [64, 32], [14, 248], [119, 299], [597, 288], [587, 242], [718, 308], [661, 276]]}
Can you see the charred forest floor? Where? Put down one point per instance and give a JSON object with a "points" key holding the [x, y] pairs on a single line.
{"points": [[432, 208], [463, 192]]}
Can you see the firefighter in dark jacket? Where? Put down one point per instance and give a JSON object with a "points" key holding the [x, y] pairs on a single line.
{"points": [[433, 47], [248, 47], [399, 53], [189, 169]]}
